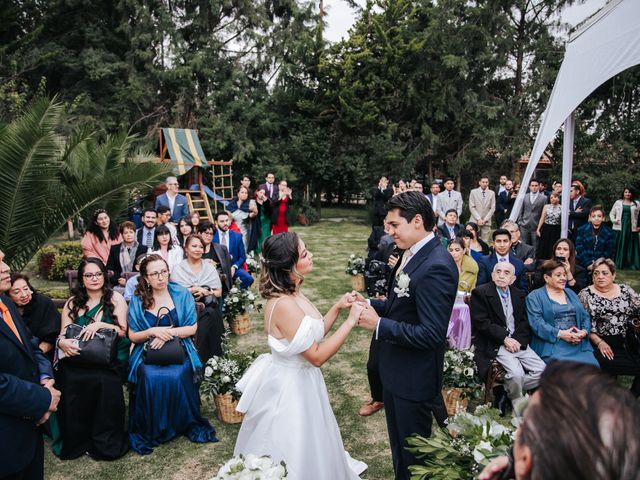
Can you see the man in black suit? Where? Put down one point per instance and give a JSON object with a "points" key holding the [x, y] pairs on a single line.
{"points": [[501, 331], [27, 396], [503, 195], [579, 209], [411, 324], [501, 253], [146, 234], [381, 195], [450, 228]]}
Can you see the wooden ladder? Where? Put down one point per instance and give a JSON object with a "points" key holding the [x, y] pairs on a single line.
{"points": [[199, 202]]}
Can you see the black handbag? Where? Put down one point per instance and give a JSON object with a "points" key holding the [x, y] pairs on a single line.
{"points": [[171, 353], [100, 351]]}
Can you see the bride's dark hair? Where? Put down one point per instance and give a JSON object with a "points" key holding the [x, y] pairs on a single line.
{"points": [[279, 258]]}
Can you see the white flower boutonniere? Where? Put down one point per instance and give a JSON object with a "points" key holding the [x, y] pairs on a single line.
{"points": [[402, 285]]}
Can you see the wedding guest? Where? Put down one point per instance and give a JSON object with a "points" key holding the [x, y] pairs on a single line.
{"points": [[218, 254], [531, 212], [400, 187], [37, 311], [185, 228], [146, 235], [176, 202], [512, 198], [264, 217], [233, 242], [269, 187], [565, 253], [132, 283], [523, 252], [195, 219], [244, 211], [579, 209], [449, 199], [501, 253], [467, 266], [165, 400], [450, 229], [559, 322], [501, 186], [245, 182], [164, 247], [482, 204], [503, 192], [624, 216], [433, 197], [556, 187], [100, 236], [92, 410], [548, 230], [477, 247], [202, 280], [613, 307], [280, 206], [594, 240], [123, 255], [164, 218]]}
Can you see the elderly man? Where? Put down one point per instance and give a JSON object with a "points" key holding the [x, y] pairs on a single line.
{"points": [[501, 331], [27, 396], [177, 203]]}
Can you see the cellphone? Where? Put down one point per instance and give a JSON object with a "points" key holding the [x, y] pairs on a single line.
{"points": [[559, 259]]}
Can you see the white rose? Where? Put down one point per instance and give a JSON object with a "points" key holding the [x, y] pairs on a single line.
{"points": [[226, 379], [251, 296], [354, 272], [403, 281], [234, 290], [208, 371], [235, 299], [250, 307], [213, 362]]}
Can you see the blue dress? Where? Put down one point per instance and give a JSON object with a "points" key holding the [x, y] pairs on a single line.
{"points": [[165, 403], [565, 318]]}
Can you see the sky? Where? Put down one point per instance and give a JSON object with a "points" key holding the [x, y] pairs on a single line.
{"points": [[340, 16]]}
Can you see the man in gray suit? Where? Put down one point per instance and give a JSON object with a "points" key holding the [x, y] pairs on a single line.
{"points": [[529, 218], [447, 200], [482, 205]]}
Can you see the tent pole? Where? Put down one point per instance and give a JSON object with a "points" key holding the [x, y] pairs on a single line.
{"points": [[567, 170]]}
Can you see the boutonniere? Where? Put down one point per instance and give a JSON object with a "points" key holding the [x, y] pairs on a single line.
{"points": [[402, 285]]}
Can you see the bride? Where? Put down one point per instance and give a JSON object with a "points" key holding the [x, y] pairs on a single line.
{"points": [[288, 415]]}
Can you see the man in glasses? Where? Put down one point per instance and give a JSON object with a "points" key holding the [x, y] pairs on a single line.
{"points": [[176, 202]]}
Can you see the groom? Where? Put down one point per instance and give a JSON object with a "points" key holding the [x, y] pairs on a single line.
{"points": [[411, 324]]}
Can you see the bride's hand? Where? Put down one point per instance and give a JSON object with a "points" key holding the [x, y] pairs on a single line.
{"points": [[354, 314], [347, 300]]}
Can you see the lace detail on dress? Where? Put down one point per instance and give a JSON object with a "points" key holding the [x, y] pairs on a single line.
{"points": [[553, 215]]}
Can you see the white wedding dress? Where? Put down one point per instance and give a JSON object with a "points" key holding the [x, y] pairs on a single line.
{"points": [[288, 415]]}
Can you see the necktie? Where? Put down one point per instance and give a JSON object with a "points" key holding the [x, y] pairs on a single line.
{"points": [[6, 316], [483, 193], [223, 239], [149, 241], [270, 190], [449, 194], [405, 258], [502, 259]]}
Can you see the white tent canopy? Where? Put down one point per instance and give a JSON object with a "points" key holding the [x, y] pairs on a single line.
{"points": [[605, 45]]}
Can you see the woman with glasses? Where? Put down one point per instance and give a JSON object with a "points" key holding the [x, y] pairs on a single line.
{"points": [[559, 323], [163, 246], [91, 410], [165, 399]]}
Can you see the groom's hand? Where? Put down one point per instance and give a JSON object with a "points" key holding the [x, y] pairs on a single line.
{"points": [[368, 318]]}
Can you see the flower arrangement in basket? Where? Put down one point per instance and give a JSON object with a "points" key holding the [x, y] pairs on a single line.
{"points": [[253, 264], [460, 380], [237, 305], [251, 467], [355, 268], [220, 377], [468, 444]]}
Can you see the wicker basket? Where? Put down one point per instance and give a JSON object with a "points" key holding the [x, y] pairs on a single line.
{"points": [[454, 401], [357, 282], [226, 407], [241, 324]]}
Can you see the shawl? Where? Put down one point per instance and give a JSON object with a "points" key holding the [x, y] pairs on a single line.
{"points": [[207, 277]]}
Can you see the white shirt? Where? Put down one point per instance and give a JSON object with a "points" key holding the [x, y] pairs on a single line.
{"points": [[172, 201], [499, 257], [224, 238], [534, 196]]}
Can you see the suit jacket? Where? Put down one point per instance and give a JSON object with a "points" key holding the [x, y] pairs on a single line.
{"points": [[502, 206], [380, 198], [22, 400], [236, 248], [578, 219], [140, 236], [447, 202], [489, 325], [590, 248], [219, 254], [412, 330], [487, 263], [274, 193], [444, 231], [522, 251], [530, 213], [180, 206], [113, 263], [435, 208], [482, 206]]}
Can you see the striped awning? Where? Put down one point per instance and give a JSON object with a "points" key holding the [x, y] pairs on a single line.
{"points": [[183, 148]]}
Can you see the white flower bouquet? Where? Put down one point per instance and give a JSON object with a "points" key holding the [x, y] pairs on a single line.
{"points": [[240, 301], [222, 373], [251, 467], [355, 265], [253, 263], [460, 369]]}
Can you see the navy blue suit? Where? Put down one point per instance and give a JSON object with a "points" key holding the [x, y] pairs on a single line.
{"points": [[238, 257], [412, 334], [444, 230], [22, 400], [487, 263], [180, 206]]}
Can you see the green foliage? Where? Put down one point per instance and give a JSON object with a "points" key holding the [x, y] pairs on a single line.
{"points": [[310, 214], [53, 260], [222, 373]]}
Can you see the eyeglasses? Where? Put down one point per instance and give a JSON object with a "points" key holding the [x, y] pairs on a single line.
{"points": [[207, 233], [91, 276], [156, 275]]}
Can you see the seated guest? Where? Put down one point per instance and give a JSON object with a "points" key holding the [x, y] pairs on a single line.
{"points": [[174, 201], [132, 283], [164, 217], [467, 266], [612, 307], [450, 228], [146, 235], [501, 332], [37, 311], [218, 254], [523, 252], [165, 400], [123, 255], [501, 253], [100, 236], [202, 280], [477, 247], [565, 253], [171, 253], [559, 322], [92, 411], [185, 228], [594, 240], [233, 242]]}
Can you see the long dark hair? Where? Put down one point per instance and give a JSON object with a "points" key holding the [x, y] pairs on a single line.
{"points": [[144, 290], [97, 231], [279, 257], [181, 238], [80, 296], [162, 230], [572, 252]]}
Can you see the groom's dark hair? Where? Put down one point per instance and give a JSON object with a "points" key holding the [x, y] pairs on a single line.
{"points": [[409, 204]]}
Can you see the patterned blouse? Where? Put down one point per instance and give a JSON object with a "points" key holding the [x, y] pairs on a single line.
{"points": [[553, 215], [611, 316]]}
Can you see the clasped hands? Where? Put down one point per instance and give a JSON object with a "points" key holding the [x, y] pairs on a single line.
{"points": [[361, 313], [573, 335], [159, 336]]}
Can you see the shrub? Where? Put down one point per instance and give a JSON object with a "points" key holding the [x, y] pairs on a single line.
{"points": [[53, 260], [311, 214]]}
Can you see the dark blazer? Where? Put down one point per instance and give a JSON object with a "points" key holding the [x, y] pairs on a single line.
{"points": [[444, 231], [577, 219], [487, 263], [180, 206], [140, 236], [380, 198], [502, 204], [113, 263], [522, 251], [22, 400], [274, 194], [412, 330], [236, 248], [219, 254], [489, 325]]}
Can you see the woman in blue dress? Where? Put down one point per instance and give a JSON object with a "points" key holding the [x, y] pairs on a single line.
{"points": [[559, 323], [165, 399]]}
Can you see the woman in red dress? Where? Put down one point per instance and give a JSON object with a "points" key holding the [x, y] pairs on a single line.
{"points": [[279, 209]]}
